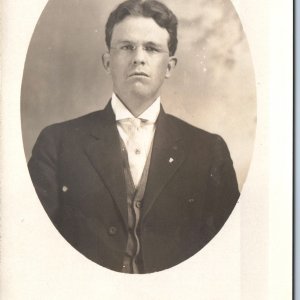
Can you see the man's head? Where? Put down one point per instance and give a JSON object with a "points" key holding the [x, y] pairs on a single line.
{"points": [[141, 38], [155, 10]]}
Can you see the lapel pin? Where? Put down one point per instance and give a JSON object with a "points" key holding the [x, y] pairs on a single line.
{"points": [[64, 188], [171, 159]]}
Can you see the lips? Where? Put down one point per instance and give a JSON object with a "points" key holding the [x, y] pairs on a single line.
{"points": [[139, 74]]}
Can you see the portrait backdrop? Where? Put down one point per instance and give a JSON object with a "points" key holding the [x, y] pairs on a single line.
{"points": [[213, 85]]}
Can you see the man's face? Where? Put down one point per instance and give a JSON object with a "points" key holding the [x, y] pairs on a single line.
{"points": [[139, 59]]}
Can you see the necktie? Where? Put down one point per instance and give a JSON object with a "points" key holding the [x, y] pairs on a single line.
{"points": [[135, 146]]}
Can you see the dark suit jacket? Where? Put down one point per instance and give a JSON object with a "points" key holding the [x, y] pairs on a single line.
{"points": [[77, 171]]}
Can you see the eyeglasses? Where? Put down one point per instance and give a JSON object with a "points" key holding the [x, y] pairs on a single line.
{"points": [[129, 48]]}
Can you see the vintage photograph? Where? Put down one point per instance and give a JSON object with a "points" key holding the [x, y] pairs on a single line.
{"points": [[146, 149], [138, 150]]}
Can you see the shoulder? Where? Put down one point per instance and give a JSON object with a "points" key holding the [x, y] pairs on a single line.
{"points": [[81, 122], [196, 134], [202, 143], [54, 135], [209, 148], [77, 127]]}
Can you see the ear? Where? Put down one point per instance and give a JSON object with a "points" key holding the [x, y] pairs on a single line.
{"points": [[171, 66], [106, 62]]}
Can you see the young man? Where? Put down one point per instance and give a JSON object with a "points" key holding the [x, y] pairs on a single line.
{"points": [[132, 188]]}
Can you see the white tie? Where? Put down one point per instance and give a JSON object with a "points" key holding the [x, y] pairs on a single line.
{"points": [[135, 147]]}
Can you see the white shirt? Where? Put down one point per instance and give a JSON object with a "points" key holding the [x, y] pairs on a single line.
{"points": [[136, 133]]}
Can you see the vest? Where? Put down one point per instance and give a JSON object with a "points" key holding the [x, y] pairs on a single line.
{"points": [[132, 261]]}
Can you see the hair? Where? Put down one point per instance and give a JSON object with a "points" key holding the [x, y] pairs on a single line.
{"points": [[156, 10]]}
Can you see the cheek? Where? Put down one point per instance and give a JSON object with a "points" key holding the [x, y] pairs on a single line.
{"points": [[118, 71], [162, 66], [118, 65], [161, 71]]}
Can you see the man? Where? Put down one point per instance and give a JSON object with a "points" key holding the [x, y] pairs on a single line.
{"points": [[132, 188]]}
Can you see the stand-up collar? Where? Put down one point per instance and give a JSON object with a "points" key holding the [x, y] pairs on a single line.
{"points": [[121, 112]]}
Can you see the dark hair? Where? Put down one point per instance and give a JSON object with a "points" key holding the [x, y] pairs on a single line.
{"points": [[156, 10]]}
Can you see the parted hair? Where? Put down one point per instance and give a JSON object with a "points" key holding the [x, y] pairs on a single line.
{"points": [[156, 10]]}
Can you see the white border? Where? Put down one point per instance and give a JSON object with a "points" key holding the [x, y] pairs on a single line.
{"points": [[36, 263]]}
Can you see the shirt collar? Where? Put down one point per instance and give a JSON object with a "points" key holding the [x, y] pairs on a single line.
{"points": [[121, 112]]}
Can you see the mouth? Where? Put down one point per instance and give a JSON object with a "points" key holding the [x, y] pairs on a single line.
{"points": [[138, 74]]}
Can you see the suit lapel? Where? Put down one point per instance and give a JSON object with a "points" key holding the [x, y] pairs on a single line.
{"points": [[104, 153], [167, 156]]}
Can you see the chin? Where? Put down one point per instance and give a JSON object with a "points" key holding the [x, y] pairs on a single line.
{"points": [[144, 95], [140, 90]]}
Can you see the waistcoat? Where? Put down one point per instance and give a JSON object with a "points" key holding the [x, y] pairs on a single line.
{"points": [[132, 262]]}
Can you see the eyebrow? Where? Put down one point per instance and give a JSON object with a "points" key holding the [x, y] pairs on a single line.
{"points": [[148, 43], [159, 46]]}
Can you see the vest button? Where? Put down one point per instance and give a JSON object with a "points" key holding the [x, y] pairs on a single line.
{"points": [[138, 204], [191, 200], [112, 230]]}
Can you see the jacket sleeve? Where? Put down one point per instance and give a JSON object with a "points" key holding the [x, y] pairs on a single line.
{"points": [[223, 191], [43, 171]]}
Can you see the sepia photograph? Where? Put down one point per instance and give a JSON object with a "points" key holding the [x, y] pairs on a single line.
{"points": [[147, 181], [147, 151]]}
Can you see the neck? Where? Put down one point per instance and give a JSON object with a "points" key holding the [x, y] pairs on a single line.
{"points": [[136, 106]]}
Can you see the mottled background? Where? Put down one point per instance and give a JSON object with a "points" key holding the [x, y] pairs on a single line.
{"points": [[213, 86]]}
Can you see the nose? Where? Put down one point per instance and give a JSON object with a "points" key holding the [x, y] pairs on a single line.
{"points": [[139, 56]]}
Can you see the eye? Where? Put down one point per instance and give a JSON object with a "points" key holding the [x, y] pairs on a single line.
{"points": [[127, 47], [151, 49]]}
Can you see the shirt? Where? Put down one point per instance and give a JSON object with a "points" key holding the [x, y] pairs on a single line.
{"points": [[143, 129]]}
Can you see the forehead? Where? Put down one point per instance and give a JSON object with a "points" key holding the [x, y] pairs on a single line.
{"points": [[139, 29]]}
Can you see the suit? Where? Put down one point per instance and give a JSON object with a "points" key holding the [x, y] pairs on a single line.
{"points": [[76, 168]]}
